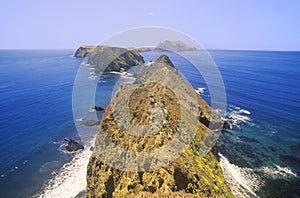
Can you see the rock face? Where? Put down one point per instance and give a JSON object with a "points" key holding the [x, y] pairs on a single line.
{"points": [[161, 101], [84, 50], [176, 46], [106, 58]]}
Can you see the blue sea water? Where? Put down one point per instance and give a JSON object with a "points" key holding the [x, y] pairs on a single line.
{"points": [[263, 106]]}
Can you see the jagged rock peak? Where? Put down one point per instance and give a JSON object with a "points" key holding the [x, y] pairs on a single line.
{"points": [[165, 60]]}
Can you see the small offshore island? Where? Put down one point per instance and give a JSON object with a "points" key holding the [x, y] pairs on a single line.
{"points": [[191, 174]]}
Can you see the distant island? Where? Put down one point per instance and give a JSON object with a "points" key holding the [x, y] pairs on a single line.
{"points": [[176, 46]]}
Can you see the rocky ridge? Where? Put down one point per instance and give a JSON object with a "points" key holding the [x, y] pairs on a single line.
{"points": [[155, 101]]}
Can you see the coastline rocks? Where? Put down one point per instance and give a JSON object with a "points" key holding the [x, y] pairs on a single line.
{"points": [[226, 125], [106, 58], [83, 51], [96, 108], [176, 46], [73, 145]]}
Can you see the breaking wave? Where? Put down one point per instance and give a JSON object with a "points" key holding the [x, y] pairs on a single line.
{"points": [[246, 182], [71, 179]]}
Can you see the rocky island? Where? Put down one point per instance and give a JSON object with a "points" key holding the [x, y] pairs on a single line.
{"points": [[176, 46], [153, 105], [107, 58]]}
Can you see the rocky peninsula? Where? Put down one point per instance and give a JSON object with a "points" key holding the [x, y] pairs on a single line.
{"points": [[192, 174], [84, 50], [107, 58]]}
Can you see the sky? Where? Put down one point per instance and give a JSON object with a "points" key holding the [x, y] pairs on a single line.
{"points": [[216, 24]]}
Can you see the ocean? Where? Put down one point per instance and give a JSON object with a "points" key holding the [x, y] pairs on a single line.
{"points": [[260, 155]]}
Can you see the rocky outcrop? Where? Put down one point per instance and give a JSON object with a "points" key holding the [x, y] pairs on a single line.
{"points": [[106, 58], [176, 46], [84, 50], [73, 145], [167, 109]]}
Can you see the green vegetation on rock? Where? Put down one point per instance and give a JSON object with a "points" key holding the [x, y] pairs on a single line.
{"points": [[191, 174]]}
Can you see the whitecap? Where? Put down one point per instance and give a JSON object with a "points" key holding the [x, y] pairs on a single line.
{"points": [[278, 172], [91, 110], [80, 119], [93, 77], [114, 72], [245, 111], [85, 64]]}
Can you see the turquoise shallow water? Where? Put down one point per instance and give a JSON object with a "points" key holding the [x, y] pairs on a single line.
{"points": [[263, 96]]}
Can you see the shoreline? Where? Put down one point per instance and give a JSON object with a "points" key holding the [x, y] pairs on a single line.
{"points": [[71, 179]]}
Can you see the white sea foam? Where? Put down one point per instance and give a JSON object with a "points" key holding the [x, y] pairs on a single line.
{"points": [[200, 90], [237, 116], [278, 172], [93, 77], [242, 181], [80, 119], [85, 64], [114, 72], [71, 179], [245, 111]]}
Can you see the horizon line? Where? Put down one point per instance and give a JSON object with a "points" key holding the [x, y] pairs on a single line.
{"points": [[209, 49]]}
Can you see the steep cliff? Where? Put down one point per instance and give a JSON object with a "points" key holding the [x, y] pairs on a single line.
{"points": [[84, 50], [106, 58], [146, 117], [176, 46]]}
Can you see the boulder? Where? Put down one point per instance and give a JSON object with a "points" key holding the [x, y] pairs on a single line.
{"points": [[73, 145]]}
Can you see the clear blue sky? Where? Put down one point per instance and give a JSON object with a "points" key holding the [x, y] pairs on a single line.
{"points": [[232, 24]]}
